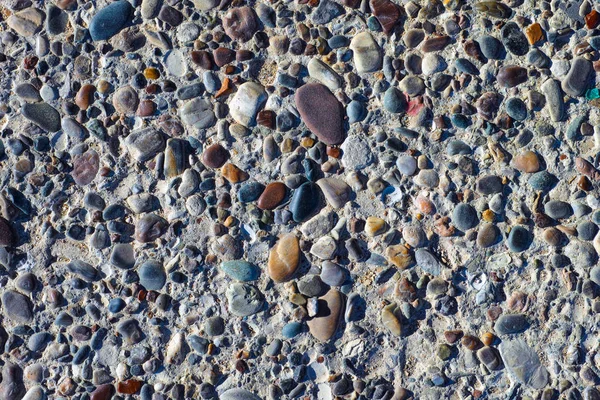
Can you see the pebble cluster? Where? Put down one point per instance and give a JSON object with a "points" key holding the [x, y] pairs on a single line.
{"points": [[299, 199]]}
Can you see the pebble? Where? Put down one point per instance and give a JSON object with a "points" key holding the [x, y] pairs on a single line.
{"points": [[321, 112], [336, 192], [43, 115], [284, 258], [152, 275], [26, 22], [109, 21], [577, 80], [241, 270], [514, 39], [272, 196], [247, 102], [518, 239], [324, 325], [523, 363], [464, 217], [511, 323], [17, 307], [243, 299], [367, 53]]}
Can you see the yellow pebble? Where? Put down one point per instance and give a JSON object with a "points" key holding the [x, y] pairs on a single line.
{"points": [[151, 73], [307, 142], [488, 215]]}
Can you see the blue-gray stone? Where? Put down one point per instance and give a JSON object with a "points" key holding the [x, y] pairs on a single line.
{"points": [[114, 211], [250, 191], [337, 41], [305, 201], [17, 306], [460, 121], [587, 230], [394, 101], [116, 305], [356, 111], [86, 271], [456, 147], [326, 11], [465, 66], [538, 58], [491, 47], [516, 109], [238, 394], [333, 274], [291, 330], [514, 39], [542, 180], [519, 239], [43, 115], [594, 41], [558, 209], [189, 91], [464, 217], [152, 275], [511, 323], [110, 20], [211, 81], [428, 262], [573, 129], [241, 270], [38, 341]]}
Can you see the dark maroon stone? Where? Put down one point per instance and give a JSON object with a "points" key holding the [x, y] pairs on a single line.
{"points": [[321, 112], [85, 167], [487, 105], [7, 237], [511, 76], [215, 156], [223, 56], [387, 13], [240, 23]]}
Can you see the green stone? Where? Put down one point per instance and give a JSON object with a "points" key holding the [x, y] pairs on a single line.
{"points": [[592, 94], [444, 351]]}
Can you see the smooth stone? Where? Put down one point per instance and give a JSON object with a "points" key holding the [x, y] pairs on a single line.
{"points": [[518, 239], [190, 182], [86, 271], [542, 180], [489, 184], [7, 234], [250, 191], [511, 75], [458, 147], [85, 167], [37, 393], [244, 299], [246, 103], [367, 53], [17, 307], [198, 113], [465, 66], [215, 156], [487, 235], [241, 270], [527, 161], [126, 100], [538, 58], [150, 8], [332, 274], [240, 23], [145, 143], [305, 201], [323, 73], [464, 217], [152, 275], [391, 319], [326, 11], [56, 20], [122, 256], [131, 331], [28, 92], [176, 157], [238, 394], [272, 196], [284, 258], [578, 78], [176, 63], [324, 325], [206, 5], [511, 323], [407, 165], [432, 63], [428, 262], [554, 99], [324, 248], [487, 355], [43, 115], [558, 209], [110, 20], [356, 111], [394, 100], [336, 192], [150, 227], [26, 22], [74, 129], [321, 111], [523, 363], [291, 330], [141, 203], [412, 85], [413, 37], [514, 39], [491, 48], [587, 230], [12, 387], [387, 13]]}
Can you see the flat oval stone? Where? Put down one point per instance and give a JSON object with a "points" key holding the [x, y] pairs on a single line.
{"points": [[250, 191], [152, 275], [215, 156], [85, 167], [122, 256], [428, 262], [17, 307], [26, 22], [523, 363], [321, 112], [240, 23], [103, 392], [490, 47], [198, 113], [272, 196], [464, 217], [110, 20], [323, 73], [43, 115], [84, 270], [305, 201], [488, 235], [554, 99], [150, 227], [558, 209], [333, 274], [244, 299], [489, 184], [514, 39], [518, 239], [367, 53], [578, 78], [85, 96], [284, 258], [238, 394], [527, 161], [511, 76], [324, 325], [126, 100], [511, 323], [241, 270], [435, 43]]}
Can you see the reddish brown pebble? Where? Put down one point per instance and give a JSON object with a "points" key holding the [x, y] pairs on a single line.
{"points": [[233, 174], [223, 56], [511, 76], [103, 392], [240, 23], [272, 196], [453, 336], [85, 167], [146, 108], [321, 112], [243, 55], [592, 19], [85, 96], [130, 386], [203, 59], [527, 161], [215, 156], [387, 13], [266, 118], [435, 44]]}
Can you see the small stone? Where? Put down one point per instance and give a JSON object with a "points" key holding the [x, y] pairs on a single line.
{"points": [[514, 39], [400, 256], [511, 323], [523, 363], [527, 161], [84, 270], [125, 100], [320, 71], [284, 258], [321, 112], [558, 209], [26, 22], [511, 75], [336, 192], [326, 11], [145, 143], [85, 167], [150, 227], [428, 262], [518, 239], [122, 256], [247, 102], [110, 20], [332, 274], [488, 356], [198, 113], [487, 235], [367, 53], [238, 394], [240, 23], [43, 115], [241, 270], [578, 79], [324, 325], [387, 13], [176, 63], [391, 319], [554, 99], [272, 196], [17, 307], [244, 299], [464, 217], [357, 153], [152, 275], [491, 47], [305, 201], [233, 174]]}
